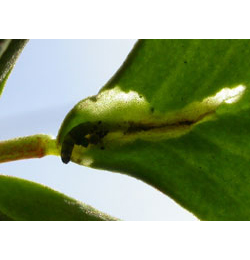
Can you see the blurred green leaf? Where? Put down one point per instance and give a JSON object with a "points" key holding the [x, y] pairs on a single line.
{"points": [[25, 200], [176, 115], [9, 52]]}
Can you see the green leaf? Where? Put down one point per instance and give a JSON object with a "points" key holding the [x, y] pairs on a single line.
{"points": [[9, 52], [25, 200], [177, 116]]}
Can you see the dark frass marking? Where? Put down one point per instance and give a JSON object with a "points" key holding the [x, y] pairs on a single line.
{"points": [[92, 133]]}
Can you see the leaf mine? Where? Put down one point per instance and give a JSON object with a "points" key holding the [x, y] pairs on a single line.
{"points": [[116, 117]]}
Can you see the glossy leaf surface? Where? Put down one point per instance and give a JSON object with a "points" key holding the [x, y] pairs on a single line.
{"points": [[176, 115]]}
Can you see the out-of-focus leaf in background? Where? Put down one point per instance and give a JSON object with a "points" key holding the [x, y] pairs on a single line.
{"points": [[9, 52], [25, 200]]}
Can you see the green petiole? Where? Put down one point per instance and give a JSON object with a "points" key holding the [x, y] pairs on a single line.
{"points": [[34, 146]]}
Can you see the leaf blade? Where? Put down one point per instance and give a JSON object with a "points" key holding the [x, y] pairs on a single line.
{"points": [[200, 155]]}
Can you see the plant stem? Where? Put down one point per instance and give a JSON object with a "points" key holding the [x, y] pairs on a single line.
{"points": [[34, 146]]}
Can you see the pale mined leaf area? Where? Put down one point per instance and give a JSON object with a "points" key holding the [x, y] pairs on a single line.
{"points": [[175, 115], [114, 109]]}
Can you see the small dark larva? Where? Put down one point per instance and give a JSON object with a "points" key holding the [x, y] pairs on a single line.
{"points": [[78, 136]]}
